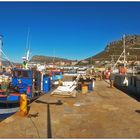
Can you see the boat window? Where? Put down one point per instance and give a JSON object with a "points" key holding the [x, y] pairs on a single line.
{"points": [[16, 73], [20, 74], [24, 74]]}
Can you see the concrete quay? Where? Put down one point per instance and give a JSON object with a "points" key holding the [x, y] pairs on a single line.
{"points": [[103, 113]]}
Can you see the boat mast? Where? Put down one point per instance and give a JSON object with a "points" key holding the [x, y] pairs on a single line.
{"points": [[26, 58], [123, 55], [28, 46], [124, 51], [0, 51]]}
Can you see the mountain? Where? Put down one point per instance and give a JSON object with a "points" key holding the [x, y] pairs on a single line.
{"points": [[47, 59], [114, 49]]}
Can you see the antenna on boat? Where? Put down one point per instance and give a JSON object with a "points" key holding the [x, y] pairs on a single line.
{"points": [[124, 51], [26, 58], [1, 51], [27, 44], [28, 52]]}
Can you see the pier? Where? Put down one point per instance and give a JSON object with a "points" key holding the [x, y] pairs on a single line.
{"points": [[103, 113]]}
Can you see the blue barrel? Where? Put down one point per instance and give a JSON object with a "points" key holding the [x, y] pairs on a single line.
{"points": [[90, 87], [46, 84]]}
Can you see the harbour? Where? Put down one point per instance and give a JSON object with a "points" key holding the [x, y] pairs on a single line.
{"points": [[43, 101], [69, 70], [95, 115]]}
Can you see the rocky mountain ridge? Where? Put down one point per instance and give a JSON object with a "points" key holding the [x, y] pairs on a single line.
{"points": [[111, 51], [114, 49]]}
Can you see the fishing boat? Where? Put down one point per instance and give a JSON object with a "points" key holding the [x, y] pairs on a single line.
{"points": [[24, 81], [30, 82], [9, 104]]}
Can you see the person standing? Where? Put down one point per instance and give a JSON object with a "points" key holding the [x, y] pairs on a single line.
{"points": [[112, 78]]}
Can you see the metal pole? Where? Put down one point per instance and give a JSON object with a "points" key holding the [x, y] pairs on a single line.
{"points": [[0, 51], [124, 50]]}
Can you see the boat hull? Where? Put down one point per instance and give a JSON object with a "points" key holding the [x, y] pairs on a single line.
{"points": [[8, 108]]}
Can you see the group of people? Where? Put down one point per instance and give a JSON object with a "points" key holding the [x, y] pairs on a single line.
{"points": [[110, 75]]}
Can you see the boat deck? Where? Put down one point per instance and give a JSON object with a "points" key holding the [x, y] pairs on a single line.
{"points": [[104, 113]]}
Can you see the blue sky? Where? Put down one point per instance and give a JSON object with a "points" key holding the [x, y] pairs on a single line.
{"points": [[73, 30]]}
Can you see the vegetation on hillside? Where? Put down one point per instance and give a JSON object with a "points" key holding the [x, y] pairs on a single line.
{"points": [[115, 48]]}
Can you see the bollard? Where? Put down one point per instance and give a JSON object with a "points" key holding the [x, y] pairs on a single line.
{"points": [[23, 105], [84, 89]]}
